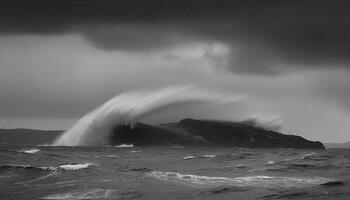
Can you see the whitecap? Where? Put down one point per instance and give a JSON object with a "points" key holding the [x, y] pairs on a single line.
{"points": [[70, 167], [135, 151], [30, 151], [67, 167], [189, 157], [252, 181], [270, 163], [125, 146], [208, 156], [48, 168]]}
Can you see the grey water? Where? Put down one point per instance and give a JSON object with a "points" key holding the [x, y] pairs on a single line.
{"points": [[127, 172]]}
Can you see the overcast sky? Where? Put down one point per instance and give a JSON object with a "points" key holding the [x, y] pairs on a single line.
{"points": [[60, 59]]}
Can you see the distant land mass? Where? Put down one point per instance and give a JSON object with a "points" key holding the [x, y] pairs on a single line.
{"points": [[345, 145], [191, 132], [187, 132]]}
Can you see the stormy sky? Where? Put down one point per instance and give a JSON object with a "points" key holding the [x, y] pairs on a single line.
{"points": [[60, 59]]}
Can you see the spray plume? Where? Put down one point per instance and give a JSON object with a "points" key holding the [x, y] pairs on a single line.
{"points": [[130, 107]]}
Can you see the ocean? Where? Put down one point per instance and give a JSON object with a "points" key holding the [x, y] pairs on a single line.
{"points": [[127, 172]]}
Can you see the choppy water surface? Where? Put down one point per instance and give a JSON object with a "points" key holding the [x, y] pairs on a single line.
{"points": [[128, 172]]}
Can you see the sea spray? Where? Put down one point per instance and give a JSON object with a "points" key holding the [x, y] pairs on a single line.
{"points": [[130, 107]]}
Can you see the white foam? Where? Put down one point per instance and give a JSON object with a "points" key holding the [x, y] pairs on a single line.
{"points": [[252, 181], [48, 168], [189, 157], [209, 156], [270, 163], [308, 155], [67, 167], [125, 146], [30, 151], [96, 193], [70, 167]]}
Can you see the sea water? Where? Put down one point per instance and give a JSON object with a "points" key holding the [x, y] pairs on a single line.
{"points": [[172, 173]]}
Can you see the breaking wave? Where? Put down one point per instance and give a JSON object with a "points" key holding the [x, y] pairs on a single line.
{"points": [[30, 151], [189, 157], [252, 181], [209, 156], [131, 107], [67, 167], [71, 167], [125, 146]]}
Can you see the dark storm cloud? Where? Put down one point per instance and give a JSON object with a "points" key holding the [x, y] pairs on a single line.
{"points": [[266, 33]]}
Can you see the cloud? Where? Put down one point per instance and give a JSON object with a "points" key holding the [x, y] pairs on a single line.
{"points": [[53, 74], [266, 36], [333, 86], [60, 59]]}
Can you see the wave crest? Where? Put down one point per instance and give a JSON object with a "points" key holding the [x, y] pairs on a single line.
{"points": [[129, 108], [252, 181], [67, 167]]}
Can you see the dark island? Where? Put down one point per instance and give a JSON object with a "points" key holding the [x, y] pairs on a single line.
{"points": [[187, 132], [191, 132]]}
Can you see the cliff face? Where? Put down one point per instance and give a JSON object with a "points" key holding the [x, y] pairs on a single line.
{"points": [[190, 132]]}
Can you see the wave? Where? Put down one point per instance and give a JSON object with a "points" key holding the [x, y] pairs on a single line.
{"points": [[131, 107], [25, 174], [300, 167], [287, 195], [95, 193], [251, 181], [209, 156], [270, 163], [308, 155], [125, 146], [70, 167], [67, 167], [333, 183], [241, 166], [30, 151], [10, 166], [189, 157]]}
